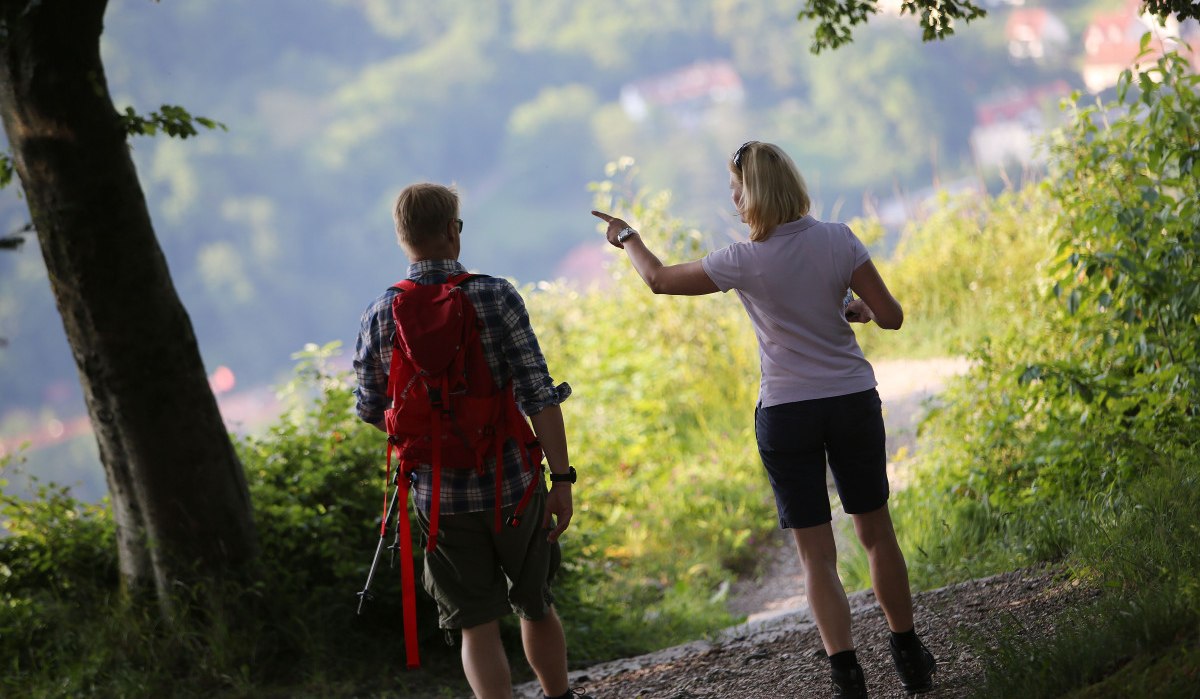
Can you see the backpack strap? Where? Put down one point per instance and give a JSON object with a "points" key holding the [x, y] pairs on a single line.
{"points": [[408, 585], [408, 590]]}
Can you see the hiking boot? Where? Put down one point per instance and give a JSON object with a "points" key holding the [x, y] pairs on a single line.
{"points": [[574, 694], [915, 667], [850, 685]]}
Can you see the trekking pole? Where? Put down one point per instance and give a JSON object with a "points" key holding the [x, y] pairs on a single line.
{"points": [[387, 516]]}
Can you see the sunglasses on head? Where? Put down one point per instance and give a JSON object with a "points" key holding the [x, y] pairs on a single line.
{"points": [[737, 154]]}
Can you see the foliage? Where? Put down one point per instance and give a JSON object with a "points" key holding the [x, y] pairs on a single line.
{"points": [[6, 170], [172, 120], [66, 628], [971, 270], [1071, 424], [1130, 269], [1183, 9], [1141, 554], [835, 18]]}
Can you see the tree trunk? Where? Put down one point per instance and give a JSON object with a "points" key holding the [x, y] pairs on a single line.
{"points": [[178, 492]]}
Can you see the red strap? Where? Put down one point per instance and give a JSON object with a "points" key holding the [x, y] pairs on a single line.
{"points": [[533, 484], [407, 581]]}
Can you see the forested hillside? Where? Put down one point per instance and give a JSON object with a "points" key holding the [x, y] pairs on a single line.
{"points": [[277, 231]]}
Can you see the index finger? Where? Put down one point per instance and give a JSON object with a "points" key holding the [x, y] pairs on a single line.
{"points": [[603, 216]]}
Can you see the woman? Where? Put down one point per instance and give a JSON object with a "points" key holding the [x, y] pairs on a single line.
{"points": [[817, 394]]}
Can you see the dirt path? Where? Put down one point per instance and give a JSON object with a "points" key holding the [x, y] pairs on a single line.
{"points": [[782, 657]]}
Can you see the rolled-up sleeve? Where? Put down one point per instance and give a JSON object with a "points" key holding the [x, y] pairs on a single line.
{"points": [[372, 352], [533, 387]]}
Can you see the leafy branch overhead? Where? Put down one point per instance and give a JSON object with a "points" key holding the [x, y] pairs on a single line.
{"points": [[1183, 9], [172, 120], [835, 18]]}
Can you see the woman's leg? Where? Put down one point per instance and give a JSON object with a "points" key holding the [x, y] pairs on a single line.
{"points": [[889, 574], [826, 596]]}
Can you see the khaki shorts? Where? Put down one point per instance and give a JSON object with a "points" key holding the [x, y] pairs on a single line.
{"points": [[477, 575]]}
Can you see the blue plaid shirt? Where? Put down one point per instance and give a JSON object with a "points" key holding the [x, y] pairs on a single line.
{"points": [[511, 350]]}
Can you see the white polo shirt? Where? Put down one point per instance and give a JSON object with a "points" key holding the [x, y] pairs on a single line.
{"points": [[793, 285]]}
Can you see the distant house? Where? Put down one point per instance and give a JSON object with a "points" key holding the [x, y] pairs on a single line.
{"points": [[1112, 42], [1034, 33], [686, 93], [1007, 126]]}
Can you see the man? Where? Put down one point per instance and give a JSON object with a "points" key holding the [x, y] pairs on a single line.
{"points": [[475, 574]]}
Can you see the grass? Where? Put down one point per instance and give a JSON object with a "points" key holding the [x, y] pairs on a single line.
{"points": [[1141, 638]]}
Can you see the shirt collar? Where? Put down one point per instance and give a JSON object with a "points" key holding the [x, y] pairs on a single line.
{"points": [[418, 269], [801, 224]]}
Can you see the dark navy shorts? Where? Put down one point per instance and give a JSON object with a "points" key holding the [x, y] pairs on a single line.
{"points": [[793, 441]]}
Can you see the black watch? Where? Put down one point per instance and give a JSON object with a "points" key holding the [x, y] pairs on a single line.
{"points": [[568, 477]]}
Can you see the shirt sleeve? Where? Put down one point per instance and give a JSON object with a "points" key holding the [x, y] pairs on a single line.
{"points": [[724, 267], [533, 387], [372, 355], [860, 252]]}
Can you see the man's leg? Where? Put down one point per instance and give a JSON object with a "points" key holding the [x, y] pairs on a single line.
{"points": [[546, 650], [484, 662], [826, 596], [889, 573]]}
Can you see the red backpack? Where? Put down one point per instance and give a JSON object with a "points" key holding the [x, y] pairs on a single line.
{"points": [[446, 412]]}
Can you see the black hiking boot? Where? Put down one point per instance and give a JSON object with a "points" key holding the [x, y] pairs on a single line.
{"points": [[850, 684], [914, 665]]}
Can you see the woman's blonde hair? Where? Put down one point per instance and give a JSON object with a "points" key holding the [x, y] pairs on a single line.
{"points": [[422, 212], [773, 190]]}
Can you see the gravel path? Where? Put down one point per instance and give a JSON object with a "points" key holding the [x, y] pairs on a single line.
{"points": [[782, 657]]}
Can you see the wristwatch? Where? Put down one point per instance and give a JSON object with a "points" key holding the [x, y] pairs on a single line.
{"points": [[625, 234], [568, 477]]}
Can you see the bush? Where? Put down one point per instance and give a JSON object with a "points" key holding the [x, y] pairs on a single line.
{"points": [[1065, 411]]}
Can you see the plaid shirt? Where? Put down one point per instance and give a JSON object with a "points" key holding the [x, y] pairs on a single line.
{"points": [[511, 350]]}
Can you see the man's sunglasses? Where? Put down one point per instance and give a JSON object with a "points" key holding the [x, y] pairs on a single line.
{"points": [[460, 224]]}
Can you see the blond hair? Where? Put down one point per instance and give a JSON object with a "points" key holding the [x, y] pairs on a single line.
{"points": [[422, 212], [773, 190]]}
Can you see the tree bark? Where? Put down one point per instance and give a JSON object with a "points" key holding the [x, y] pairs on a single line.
{"points": [[178, 492]]}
